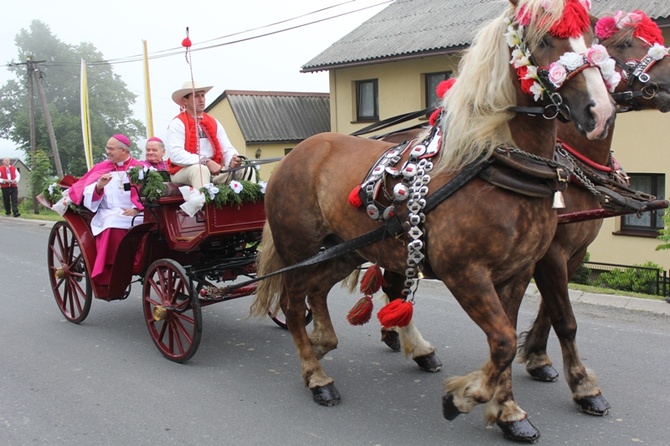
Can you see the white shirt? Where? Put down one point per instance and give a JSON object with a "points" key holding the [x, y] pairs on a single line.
{"points": [[175, 141], [7, 178], [109, 208]]}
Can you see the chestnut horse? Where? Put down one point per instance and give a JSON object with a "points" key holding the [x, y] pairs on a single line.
{"points": [[484, 250], [638, 38], [646, 86]]}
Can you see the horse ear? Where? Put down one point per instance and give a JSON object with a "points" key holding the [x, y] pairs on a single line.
{"points": [[593, 19], [514, 2]]}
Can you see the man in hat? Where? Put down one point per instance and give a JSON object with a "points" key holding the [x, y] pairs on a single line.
{"points": [[197, 144], [105, 190], [9, 182], [155, 151]]}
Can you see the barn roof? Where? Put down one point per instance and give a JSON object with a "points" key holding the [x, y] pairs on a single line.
{"points": [[413, 28], [276, 116]]}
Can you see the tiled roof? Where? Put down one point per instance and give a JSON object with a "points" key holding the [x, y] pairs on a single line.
{"points": [[276, 117], [413, 28]]}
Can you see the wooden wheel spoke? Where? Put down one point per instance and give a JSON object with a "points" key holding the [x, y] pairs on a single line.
{"points": [[68, 273], [171, 312]]}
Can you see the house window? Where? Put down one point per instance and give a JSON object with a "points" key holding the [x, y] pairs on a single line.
{"points": [[648, 223], [367, 101], [431, 81], [287, 150]]}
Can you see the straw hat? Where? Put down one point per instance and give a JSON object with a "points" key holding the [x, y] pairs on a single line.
{"points": [[187, 88]]}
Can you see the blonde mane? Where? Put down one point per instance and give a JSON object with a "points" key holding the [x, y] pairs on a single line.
{"points": [[477, 106]]}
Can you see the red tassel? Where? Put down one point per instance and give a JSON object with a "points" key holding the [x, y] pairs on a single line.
{"points": [[398, 313], [186, 43], [444, 86], [372, 280], [354, 198], [434, 116], [361, 312]]}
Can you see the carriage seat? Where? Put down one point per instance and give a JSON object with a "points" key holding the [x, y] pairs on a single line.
{"points": [[172, 194]]}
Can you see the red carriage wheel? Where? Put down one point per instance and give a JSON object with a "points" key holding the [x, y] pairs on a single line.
{"points": [[171, 310], [279, 318], [68, 274]]}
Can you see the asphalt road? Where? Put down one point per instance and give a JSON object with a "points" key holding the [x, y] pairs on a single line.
{"points": [[104, 383]]}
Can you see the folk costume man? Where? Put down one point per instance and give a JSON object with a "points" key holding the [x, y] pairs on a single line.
{"points": [[198, 146], [106, 190], [9, 182]]}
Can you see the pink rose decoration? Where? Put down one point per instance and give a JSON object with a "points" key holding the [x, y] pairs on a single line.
{"points": [[597, 55], [586, 4], [557, 74], [606, 28]]}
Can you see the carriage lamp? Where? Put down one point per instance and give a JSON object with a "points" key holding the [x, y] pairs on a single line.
{"points": [[259, 152]]}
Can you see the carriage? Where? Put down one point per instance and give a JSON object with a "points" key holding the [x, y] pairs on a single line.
{"points": [[176, 258]]}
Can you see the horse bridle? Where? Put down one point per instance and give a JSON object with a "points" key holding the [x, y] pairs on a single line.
{"points": [[632, 70]]}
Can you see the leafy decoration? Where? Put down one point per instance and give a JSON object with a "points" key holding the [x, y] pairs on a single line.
{"points": [[151, 181], [53, 192], [234, 193]]}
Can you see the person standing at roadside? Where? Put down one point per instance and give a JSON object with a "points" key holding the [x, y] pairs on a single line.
{"points": [[9, 182]]}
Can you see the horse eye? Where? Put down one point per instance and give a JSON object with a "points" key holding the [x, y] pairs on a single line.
{"points": [[625, 45], [543, 43]]}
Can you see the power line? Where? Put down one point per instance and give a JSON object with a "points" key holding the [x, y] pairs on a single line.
{"points": [[179, 50]]}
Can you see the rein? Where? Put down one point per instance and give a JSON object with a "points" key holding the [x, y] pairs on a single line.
{"points": [[392, 227]]}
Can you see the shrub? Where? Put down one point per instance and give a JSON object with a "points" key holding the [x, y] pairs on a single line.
{"points": [[583, 273], [633, 279]]}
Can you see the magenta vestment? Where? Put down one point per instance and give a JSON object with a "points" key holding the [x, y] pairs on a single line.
{"points": [[108, 224]]}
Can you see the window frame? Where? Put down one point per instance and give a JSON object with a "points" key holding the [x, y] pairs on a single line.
{"points": [[651, 230], [359, 85], [429, 87]]}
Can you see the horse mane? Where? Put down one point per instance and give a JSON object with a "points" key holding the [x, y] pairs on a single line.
{"points": [[477, 107]]}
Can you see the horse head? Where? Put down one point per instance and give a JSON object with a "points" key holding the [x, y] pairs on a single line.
{"points": [[636, 43], [559, 64], [544, 63]]}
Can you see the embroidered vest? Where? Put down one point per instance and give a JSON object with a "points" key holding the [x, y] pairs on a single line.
{"points": [[208, 125], [7, 174]]}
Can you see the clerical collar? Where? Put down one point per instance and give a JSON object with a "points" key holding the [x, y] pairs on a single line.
{"points": [[121, 163]]}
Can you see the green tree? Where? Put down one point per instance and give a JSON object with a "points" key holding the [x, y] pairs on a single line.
{"points": [[109, 99], [41, 173]]}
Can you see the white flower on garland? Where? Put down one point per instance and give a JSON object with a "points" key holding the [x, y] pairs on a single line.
{"points": [[236, 186], [263, 185], [211, 190]]}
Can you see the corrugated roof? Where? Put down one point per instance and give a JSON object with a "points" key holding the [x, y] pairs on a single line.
{"points": [[276, 117], [412, 28]]}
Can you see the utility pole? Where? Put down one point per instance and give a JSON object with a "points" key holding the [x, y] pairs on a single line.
{"points": [[47, 117], [35, 75], [31, 114], [31, 106]]}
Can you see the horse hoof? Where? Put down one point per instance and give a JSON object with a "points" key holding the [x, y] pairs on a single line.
{"points": [[326, 395], [449, 409], [593, 405], [545, 373], [392, 339], [429, 362], [522, 431]]}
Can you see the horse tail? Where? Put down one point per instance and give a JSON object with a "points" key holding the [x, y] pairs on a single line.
{"points": [[269, 290], [351, 282]]}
